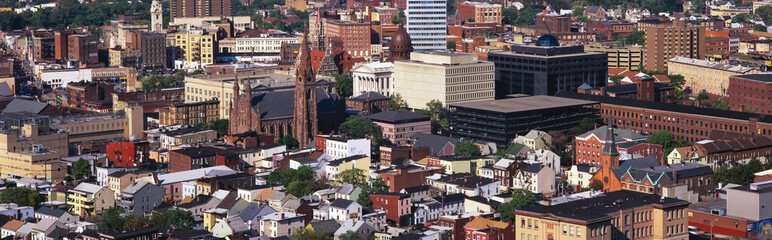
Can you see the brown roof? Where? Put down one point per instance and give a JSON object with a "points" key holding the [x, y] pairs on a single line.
{"points": [[484, 223], [615, 71], [661, 78], [264, 195], [13, 224]]}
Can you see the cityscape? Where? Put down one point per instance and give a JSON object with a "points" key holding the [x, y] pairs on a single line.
{"points": [[385, 119]]}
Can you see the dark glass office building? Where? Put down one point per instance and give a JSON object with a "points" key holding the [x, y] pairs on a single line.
{"points": [[546, 68], [502, 120]]}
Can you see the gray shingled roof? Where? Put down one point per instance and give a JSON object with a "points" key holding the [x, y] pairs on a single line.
{"points": [[280, 103], [20, 105], [372, 96], [619, 134]]}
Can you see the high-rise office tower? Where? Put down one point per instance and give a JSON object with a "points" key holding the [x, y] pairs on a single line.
{"points": [[427, 24], [200, 8]]}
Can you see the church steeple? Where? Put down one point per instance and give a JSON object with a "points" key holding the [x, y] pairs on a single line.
{"points": [[305, 122], [610, 148], [305, 70]]}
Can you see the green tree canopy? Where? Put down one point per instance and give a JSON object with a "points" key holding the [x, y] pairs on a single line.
{"points": [[637, 37], [112, 220], [468, 149], [300, 188], [741, 18], [360, 127], [23, 196], [668, 141], [720, 104], [617, 79], [764, 13], [134, 223], [451, 46], [344, 83], [173, 219], [521, 198], [508, 15], [81, 168], [397, 102], [760, 28], [584, 126], [289, 141], [596, 185], [353, 176], [308, 233], [219, 125], [702, 95], [527, 16], [351, 235]]}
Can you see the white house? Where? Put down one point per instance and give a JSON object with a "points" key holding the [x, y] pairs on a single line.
{"points": [[535, 178], [546, 157], [340, 147], [342, 210], [580, 174], [15, 211], [432, 211]]}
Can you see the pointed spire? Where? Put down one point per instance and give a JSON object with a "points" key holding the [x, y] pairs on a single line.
{"points": [[610, 147], [305, 69]]}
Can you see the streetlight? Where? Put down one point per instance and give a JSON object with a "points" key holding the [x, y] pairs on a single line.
{"points": [[711, 228]]}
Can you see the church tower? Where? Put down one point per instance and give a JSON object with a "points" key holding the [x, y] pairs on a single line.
{"points": [[156, 17], [305, 122], [609, 159]]}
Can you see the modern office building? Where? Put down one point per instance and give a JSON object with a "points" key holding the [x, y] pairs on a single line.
{"points": [[427, 24], [676, 40], [502, 120], [355, 36], [451, 78], [547, 67]]}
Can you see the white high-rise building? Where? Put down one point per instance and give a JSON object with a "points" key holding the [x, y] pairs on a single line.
{"points": [[427, 24]]}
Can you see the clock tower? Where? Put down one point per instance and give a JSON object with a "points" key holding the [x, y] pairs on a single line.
{"points": [[156, 17]]}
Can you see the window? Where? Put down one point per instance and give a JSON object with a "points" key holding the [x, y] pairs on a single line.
{"points": [[572, 231], [565, 229], [578, 231]]}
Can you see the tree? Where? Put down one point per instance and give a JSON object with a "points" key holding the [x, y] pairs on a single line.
{"points": [[760, 28], [468, 149], [308, 233], [353, 176], [668, 141], [687, 13], [699, 6], [582, 19], [720, 104], [596, 185], [578, 11], [375, 185], [617, 79], [436, 110], [81, 168], [585, 125], [134, 223], [359, 127], [397, 102], [451, 7], [526, 16], [344, 84], [521, 198], [508, 15], [741, 18], [637, 37], [451, 46], [351, 235], [173, 219], [289, 141], [112, 220], [702, 95], [22, 196], [160, 82], [300, 188], [764, 13], [219, 125]]}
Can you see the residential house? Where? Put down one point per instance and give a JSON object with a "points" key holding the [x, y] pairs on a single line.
{"points": [[229, 227], [460, 164], [536, 139], [55, 214], [328, 226], [400, 177], [504, 170], [483, 228], [339, 165], [88, 199], [10, 227], [120, 180], [281, 224], [46, 229], [417, 193], [253, 213], [452, 204], [146, 233], [172, 182], [140, 198], [580, 175], [342, 210], [536, 178], [341, 146], [15, 211], [359, 227]]}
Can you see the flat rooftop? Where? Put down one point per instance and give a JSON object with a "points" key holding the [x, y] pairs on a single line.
{"points": [[764, 77], [524, 104]]}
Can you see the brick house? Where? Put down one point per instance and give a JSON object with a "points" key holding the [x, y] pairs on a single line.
{"points": [[396, 205], [408, 176], [201, 157], [123, 154]]}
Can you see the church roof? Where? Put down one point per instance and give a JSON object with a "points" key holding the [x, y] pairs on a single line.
{"points": [[280, 103]]}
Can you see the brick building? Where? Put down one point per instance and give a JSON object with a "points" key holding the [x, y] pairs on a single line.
{"points": [[609, 28], [405, 176], [392, 155], [81, 94], [643, 88], [208, 186], [479, 12], [396, 205], [193, 8], [712, 77], [687, 122], [355, 36], [398, 125], [750, 93], [369, 102], [201, 157], [551, 23], [677, 40], [484, 228], [588, 145], [458, 221], [84, 49], [179, 113], [124, 154]]}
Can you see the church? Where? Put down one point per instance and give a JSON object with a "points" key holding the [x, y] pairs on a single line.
{"points": [[302, 111]]}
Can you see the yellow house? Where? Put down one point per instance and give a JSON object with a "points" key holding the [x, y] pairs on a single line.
{"points": [[89, 199], [337, 166], [536, 139], [460, 164], [212, 216]]}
